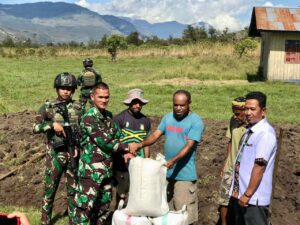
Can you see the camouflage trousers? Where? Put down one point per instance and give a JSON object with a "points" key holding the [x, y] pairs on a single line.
{"points": [[84, 98], [92, 199], [225, 188], [56, 164]]}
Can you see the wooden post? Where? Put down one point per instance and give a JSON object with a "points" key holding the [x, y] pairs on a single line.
{"points": [[19, 167]]}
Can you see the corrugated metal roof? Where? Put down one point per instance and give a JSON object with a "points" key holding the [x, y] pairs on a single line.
{"points": [[274, 19]]}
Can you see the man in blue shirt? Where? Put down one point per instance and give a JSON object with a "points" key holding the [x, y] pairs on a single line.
{"points": [[183, 130]]}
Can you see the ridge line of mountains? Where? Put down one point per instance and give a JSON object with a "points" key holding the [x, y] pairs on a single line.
{"points": [[46, 22]]}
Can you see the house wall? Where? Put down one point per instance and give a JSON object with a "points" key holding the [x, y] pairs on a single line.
{"points": [[265, 51], [273, 61]]}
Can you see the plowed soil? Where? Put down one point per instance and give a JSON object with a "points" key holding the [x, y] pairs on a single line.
{"points": [[24, 187]]}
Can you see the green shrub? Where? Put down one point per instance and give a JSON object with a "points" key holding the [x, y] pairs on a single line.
{"points": [[53, 52], [31, 52], [20, 52], [41, 52], [244, 46]]}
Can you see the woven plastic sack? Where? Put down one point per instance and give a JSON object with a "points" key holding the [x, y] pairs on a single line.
{"points": [[120, 218], [172, 218], [148, 187]]}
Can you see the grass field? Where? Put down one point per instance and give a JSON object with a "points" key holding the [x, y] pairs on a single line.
{"points": [[213, 77]]}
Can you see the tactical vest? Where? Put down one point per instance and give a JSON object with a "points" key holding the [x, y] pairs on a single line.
{"points": [[88, 78], [55, 112]]}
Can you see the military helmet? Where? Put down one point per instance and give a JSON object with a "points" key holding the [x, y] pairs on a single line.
{"points": [[65, 79], [87, 62]]}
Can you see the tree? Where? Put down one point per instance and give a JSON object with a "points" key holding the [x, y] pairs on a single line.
{"points": [[244, 46], [133, 38], [212, 32], [115, 42], [103, 41], [226, 36], [72, 44], [194, 34], [8, 42], [92, 44], [156, 41], [189, 33]]}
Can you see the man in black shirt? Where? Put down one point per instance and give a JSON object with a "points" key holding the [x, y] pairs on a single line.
{"points": [[135, 127]]}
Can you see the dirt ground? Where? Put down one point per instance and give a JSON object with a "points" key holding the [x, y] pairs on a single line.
{"points": [[25, 187]]}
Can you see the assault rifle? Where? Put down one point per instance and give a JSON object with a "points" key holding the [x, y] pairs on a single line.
{"points": [[72, 137]]}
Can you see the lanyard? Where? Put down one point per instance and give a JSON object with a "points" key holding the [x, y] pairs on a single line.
{"points": [[244, 142]]}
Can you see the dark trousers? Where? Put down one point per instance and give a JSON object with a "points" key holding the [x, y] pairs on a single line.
{"points": [[251, 215], [232, 210]]}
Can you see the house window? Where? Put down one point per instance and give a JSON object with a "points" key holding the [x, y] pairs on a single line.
{"points": [[292, 51]]}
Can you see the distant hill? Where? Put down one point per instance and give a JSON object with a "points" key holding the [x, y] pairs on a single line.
{"points": [[203, 25], [43, 10], [120, 24], [57, 22], [161, 30], [45, 22]]}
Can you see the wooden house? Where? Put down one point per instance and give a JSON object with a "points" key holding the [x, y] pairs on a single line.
{"points": [[279, 29]]}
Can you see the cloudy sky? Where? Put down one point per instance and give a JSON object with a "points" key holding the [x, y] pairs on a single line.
{"points": [[234, 14]]}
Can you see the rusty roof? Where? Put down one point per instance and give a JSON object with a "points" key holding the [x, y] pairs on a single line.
{"points": [[274, 19]]}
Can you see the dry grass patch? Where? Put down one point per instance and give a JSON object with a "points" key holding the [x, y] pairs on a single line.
{"points": [[186, 82], [201, 49]]}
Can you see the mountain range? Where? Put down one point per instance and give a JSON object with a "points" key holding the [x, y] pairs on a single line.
{"points": [[46, 22]]}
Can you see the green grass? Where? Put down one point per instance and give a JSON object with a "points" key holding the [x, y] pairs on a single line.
{"points": [[33, 214], [27, 82]]}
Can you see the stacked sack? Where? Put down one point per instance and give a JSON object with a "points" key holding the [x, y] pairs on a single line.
{"points": [[147, 202]]}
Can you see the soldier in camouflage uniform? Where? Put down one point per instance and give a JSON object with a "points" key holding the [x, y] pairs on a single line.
{"points": [[100, 138], [50, 120], [87, 79]]}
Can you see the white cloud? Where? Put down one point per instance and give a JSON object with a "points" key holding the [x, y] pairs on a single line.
{"points": [[268, 4], [220, 13], [271, 4], [225, 20], [83, 3]]}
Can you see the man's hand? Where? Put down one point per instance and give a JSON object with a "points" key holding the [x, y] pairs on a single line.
{"points": [[134, 147], [128, 156], [169, 164], [59, 129], [243, 201]]}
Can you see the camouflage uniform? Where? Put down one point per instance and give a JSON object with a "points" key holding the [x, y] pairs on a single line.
{"points": [[87, 84], [57, 157], [100, 138]]}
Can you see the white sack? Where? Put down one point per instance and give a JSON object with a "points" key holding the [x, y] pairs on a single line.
{"points": [[120, 218], [148, 187], [172, 218]]}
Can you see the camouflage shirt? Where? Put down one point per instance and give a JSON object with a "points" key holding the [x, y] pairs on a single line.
{"points": [[50, 112], [100, 138]]}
